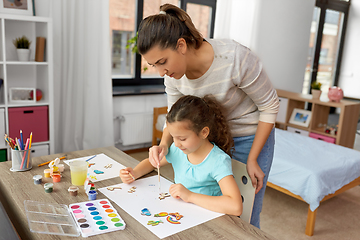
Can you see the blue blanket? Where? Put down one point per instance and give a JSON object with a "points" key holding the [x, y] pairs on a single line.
{"points": [[312, 168]]}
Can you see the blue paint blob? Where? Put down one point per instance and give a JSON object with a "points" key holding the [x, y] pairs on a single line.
{"points": [[94, 213]]}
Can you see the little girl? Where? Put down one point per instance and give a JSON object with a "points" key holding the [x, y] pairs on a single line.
{"points": [[199, 156]]}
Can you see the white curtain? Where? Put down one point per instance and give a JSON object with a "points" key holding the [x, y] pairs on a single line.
{"points": [[82, 75], [236, 19]]}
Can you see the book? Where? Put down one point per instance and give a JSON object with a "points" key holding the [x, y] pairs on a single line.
{"points": [[40, 49]]}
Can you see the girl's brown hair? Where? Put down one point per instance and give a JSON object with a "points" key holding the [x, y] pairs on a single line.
{"points": [[164, 30], [203, 112]]}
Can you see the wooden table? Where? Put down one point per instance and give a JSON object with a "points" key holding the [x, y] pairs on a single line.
{"points": [[16, 187]]}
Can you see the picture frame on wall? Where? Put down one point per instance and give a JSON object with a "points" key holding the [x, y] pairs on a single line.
{"points": [[300, 117], [19, 7]]}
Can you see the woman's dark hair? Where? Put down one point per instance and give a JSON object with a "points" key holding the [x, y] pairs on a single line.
{"points": [[165, 29], [203, 112]]}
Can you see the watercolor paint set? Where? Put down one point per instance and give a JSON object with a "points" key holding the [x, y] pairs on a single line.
{"points": [[85, 218], [96, 217]]}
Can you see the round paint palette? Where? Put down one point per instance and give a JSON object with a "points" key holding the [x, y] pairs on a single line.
{"points": [[96, 217]]}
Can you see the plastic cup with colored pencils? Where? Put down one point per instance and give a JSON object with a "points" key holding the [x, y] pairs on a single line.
{"points": [[20, 153]]}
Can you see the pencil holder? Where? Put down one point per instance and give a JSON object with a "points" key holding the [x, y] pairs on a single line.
{"points": [[21, 160]]}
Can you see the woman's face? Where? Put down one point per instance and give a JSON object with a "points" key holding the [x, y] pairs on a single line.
{"points": [[168, 61]]}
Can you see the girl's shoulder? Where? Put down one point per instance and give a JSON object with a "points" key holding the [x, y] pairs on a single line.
{"points": [[218, 153]]}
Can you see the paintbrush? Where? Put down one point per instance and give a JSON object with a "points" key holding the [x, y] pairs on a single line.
{"points": [[158, 168]]}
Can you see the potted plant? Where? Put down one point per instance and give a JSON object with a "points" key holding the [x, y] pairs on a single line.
{"points": [[316, 89], [22, 45], [132, 43]]}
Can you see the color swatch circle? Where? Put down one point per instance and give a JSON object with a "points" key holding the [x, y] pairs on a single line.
{"points": [[79, 215], [109, 210], [103, 202], [100, 222], [92, 208], [118, 224], [82, 220], [75, 206], [94, 213], [89, 204], [97, 217], [112, 215], [115, 219], [77, 211], [103, 227], [85, 225], [106, 206]]}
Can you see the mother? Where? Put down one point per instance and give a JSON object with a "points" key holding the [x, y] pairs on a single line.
{"points": [[225, 69]]}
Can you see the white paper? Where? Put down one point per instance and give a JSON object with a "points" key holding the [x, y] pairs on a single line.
{"points": [[146, 195], [101, 160]]}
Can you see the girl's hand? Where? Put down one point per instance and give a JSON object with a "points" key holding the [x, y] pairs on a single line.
{"points": [[156, 153], [125, 176], [256, 175], [179, 191]]}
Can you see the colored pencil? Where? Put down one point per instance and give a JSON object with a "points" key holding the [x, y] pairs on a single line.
{"points": [[42, 164], [21, 141], [90, 158], [131, 176], [24, 155], [29, 150]]}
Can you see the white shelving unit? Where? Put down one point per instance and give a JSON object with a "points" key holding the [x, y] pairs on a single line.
{"points": [[16, 74]]}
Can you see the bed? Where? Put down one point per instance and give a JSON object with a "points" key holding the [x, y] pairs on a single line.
{"points": [[312, 170]]}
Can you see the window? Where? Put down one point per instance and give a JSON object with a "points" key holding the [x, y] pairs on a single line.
{"points": [[326, 44], [125, 17]]}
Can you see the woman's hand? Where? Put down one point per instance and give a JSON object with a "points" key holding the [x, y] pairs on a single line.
{"points": [[125, 175], [156, 153], [179, 191], [256, 175]]}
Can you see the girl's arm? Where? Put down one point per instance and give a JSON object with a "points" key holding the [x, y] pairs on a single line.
{"points": [[256, 174], [229, 203], [144, 167]]}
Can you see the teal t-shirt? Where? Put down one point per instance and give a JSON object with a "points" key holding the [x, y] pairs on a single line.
{"points": [[204, 177]]}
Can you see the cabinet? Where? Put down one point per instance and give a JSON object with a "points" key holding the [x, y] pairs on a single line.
{"points": [[320, 109], [30, 75]]}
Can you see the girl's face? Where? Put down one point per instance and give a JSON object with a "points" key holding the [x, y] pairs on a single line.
{"points": [[168, 61], [184, 138]]}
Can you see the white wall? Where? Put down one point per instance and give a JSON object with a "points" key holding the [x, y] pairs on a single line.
{"points": [[349, 79], [277, 30]]}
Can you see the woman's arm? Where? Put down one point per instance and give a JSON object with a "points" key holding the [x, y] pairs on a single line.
{"points": [[229, 203], [159, 152], [256, 174]]}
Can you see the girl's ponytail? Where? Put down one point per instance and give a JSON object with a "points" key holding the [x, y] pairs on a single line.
{"points": [[220, 132]]}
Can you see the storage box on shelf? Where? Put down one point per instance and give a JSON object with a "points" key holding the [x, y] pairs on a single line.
{"points": [[27, 114], [320, 109]]}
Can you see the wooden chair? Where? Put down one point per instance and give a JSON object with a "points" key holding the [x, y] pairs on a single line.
{"points": [[157, 133], [246, 189]]}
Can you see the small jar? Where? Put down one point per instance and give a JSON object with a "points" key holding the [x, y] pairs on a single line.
{"points": [[37, 179], [73, 190], [56, 177], [47, 173], [48, 187], [92, 195]]}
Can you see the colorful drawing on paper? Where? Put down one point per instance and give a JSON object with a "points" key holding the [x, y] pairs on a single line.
{"points": [[181, 215]]}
